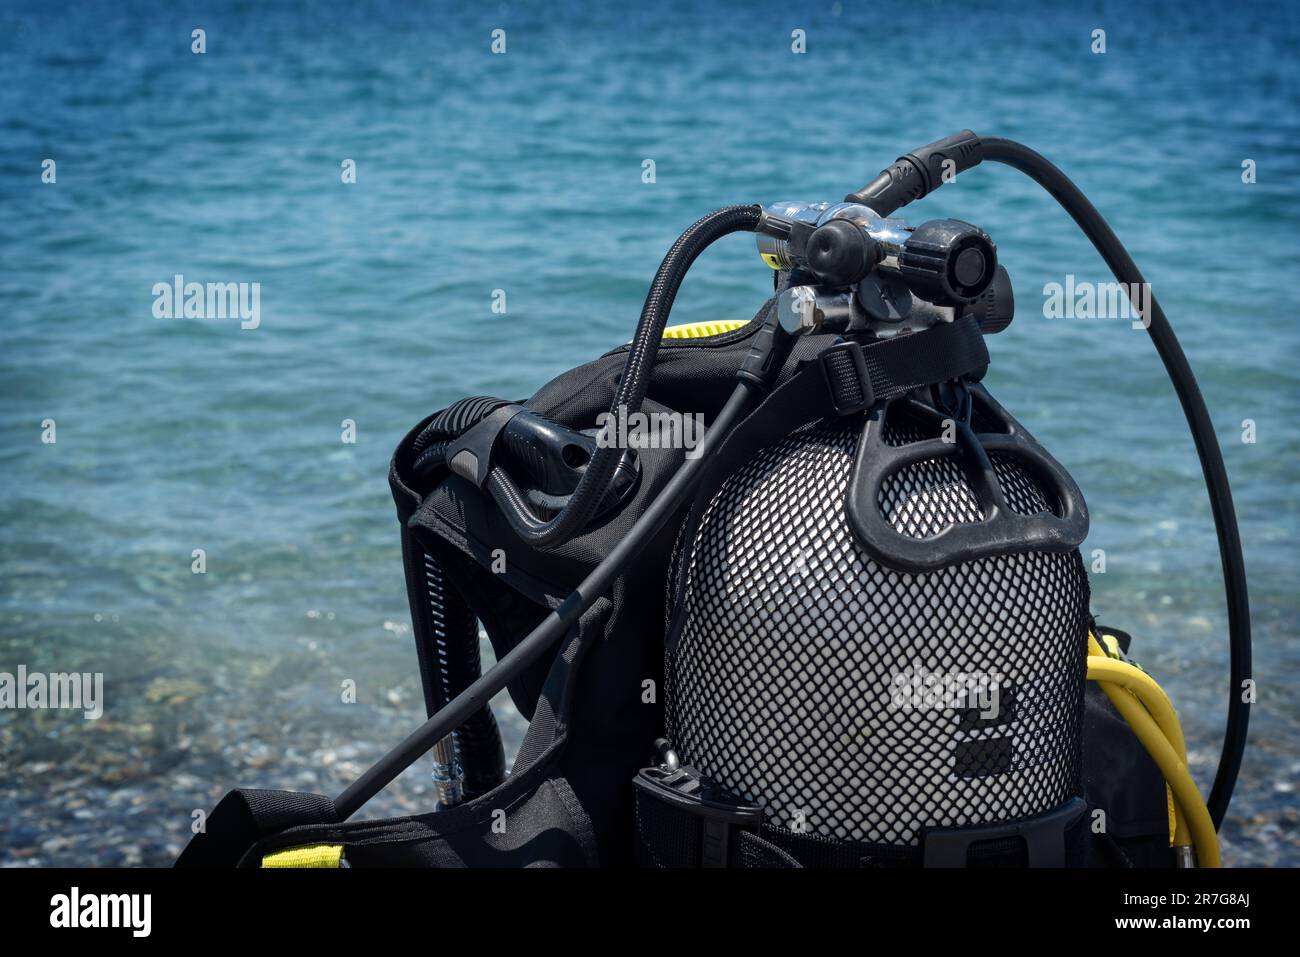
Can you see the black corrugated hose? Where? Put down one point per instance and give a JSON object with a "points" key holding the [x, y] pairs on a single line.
{"points": [[595, 482], [455, 654], [456, 419], [558, 622], [448, 647]]}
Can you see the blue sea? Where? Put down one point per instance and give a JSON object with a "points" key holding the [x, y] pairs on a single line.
{"points": [[525, 172]]}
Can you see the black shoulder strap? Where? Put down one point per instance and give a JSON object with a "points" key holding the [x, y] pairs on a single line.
{"points": [[246, 815]]}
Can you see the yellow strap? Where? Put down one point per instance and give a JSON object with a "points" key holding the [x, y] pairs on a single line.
{"points": [[702, 330], [310, 855]]}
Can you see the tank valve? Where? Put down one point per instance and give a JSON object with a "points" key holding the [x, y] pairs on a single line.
{"points": [[945, 262]]}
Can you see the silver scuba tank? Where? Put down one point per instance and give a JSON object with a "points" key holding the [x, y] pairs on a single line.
{"points": [[865, 700]]}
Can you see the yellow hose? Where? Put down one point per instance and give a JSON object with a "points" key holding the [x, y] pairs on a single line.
{"points": [[1123, 700], [1142, 686], [1133, 693], [1102, 666]]}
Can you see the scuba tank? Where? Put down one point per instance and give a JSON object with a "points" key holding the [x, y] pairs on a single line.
{"points": [[881, 617], [790, 592], [858, 698]]}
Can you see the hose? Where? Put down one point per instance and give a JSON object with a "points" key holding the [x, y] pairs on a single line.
{"points": [[451, 423], [1133, 693], [434, 455], [1112, 674], [456, 419], [559, 621], [1064, 191], [920, 173], [595, 482], [455, 653]]}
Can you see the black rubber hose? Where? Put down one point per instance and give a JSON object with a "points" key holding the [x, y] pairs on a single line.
{"points": [[1180, 373], [595, 482], [455, 651], [434, 456], [559, 621], [456, 419]]}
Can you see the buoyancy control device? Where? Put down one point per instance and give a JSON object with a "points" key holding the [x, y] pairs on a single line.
{"points": [[787, 592]]}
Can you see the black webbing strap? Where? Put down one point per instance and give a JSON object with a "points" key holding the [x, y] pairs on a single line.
{"points": [[246, 815], [858, 376], [849, 376], [1048, 839], [777, 846], [685, 819], [751, 851], [691, 829]]}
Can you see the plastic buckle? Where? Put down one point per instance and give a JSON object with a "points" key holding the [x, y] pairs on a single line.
{"points": [[845, 369], [1044, 838], [720, 812]]}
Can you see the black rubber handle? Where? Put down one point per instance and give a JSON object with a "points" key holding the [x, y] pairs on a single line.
{"points": [[1002, 531]]}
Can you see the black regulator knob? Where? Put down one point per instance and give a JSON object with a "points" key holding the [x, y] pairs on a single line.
{"points": [[841, 253], [948, 262]]}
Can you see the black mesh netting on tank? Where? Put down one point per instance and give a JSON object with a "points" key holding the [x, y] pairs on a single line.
{"points": [[782, 683]]}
